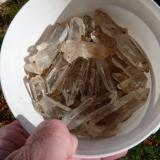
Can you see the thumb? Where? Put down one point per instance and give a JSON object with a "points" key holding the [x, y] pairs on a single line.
{"points": [[51, 141]]}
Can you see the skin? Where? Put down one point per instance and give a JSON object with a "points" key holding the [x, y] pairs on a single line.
{"points": [[50, 141]]}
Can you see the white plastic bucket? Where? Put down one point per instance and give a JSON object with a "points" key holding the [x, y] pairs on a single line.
{"points": [[143, 20]]}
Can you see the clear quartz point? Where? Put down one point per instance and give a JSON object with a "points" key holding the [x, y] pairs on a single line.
{"points": [[32, 68], [99, 37], [56, 73], [107, 23], [77, 29], [41, 61], [136, 78], [74, 49], [132, 51], [128, 47], [53, 103], [104, 72], [94, 130], [119, 77], [90, 25], [45, 34], [75, 112], [55, 34], [74, 80], [38, 87], [52, 108], [85, 87]]}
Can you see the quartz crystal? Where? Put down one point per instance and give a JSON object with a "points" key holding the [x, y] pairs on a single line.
{"points": [[77, 29], [89, 73], [126, 44]]}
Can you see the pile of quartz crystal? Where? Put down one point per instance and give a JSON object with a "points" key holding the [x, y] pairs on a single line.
{"points": [[89, 73]]}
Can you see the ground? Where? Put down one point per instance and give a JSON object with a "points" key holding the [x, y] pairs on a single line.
{"points": [[148, 150]]}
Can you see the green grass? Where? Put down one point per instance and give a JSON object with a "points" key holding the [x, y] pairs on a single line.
{"points": [[148, 150], [15, 7]]}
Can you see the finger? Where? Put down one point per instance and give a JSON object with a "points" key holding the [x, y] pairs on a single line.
{"points": [[52, 137], [12, 137], [51, 141], [13, 134], [13, 155], [20, 154], [74, 143], [16, 126], [3, 154]]}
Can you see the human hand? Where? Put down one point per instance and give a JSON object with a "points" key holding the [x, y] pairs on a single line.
{"points": [[50, 141]]}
